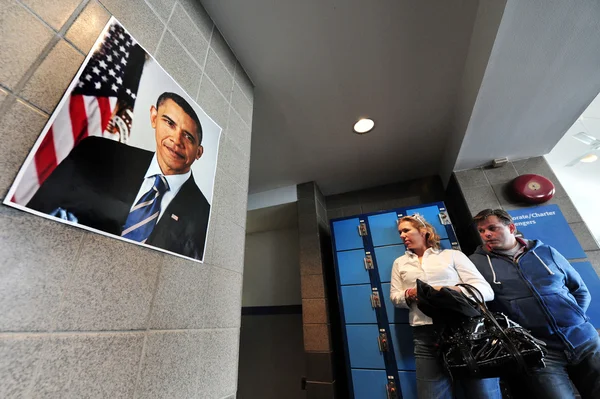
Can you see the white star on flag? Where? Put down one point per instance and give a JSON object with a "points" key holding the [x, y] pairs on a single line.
{"points": [[121, 36], [98, 85], [128, 91], [112, 72], [102, 64], [109, 58], [96, 71], [119, 80], [114, 87], [104, 78], [123, 61], [88, 77], [133, 96], [122, 49]]}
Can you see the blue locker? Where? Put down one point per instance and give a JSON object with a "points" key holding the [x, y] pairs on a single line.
{"points": [[369, 384], [368, 366], [384, 229], [589, 276], [445, 244], [408, 384], [385, 257], [363, 346], [351, 267], [402, 340], [432, 216], [395, 315], [346, 234], [357, 304]]}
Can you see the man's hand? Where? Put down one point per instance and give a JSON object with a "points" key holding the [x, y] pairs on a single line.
{"points": [[64, 215]]}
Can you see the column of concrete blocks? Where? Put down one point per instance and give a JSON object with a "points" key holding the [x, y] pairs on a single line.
{"points": [[316, 271]]}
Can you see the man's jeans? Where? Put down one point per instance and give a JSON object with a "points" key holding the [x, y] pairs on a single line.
{"points": [[562, 371], [433, 382]]}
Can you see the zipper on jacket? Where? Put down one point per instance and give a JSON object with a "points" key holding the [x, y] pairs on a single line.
{"points": [[543, 305]]}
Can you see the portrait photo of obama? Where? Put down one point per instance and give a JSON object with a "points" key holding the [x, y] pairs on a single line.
{"points": [[144, 175]]}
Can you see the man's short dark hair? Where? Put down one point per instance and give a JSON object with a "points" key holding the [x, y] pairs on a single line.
{"points": [[501, 214], [187, 108]]}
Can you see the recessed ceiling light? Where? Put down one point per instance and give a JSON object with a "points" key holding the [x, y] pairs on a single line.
{"points": [[364, 125], [589, 158]]}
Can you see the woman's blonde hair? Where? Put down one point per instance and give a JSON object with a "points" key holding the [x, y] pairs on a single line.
{"points": [[432, 239]]}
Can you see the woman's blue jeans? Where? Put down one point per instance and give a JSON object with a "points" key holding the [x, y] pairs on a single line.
{"points": [[433, 382]]}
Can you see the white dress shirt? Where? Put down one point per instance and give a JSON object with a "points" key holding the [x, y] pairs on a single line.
{"points": [[446, 267], [175, 183]]}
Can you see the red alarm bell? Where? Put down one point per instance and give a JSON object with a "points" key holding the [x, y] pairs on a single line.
{"points": [[534, 189]]}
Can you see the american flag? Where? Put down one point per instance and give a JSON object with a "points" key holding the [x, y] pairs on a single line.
{"points": [[100, 104]]}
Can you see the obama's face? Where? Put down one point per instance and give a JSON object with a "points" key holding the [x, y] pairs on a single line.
{"points": [[177, 141]]}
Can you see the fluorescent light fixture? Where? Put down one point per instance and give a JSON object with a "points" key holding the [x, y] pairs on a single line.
{"points": [[364, 125], [589, 158]]}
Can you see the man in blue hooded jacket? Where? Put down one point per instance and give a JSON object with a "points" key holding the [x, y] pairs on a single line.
{"points": [[536, 286]]}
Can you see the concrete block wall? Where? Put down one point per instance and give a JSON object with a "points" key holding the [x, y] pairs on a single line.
{"points": [[83, 315], [318, 306], [381, 198], [488, 188]]}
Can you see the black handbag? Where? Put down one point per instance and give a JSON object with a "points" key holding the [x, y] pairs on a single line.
{"points": [[485, 345]]}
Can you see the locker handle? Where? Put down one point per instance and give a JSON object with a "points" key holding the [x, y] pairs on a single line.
{"points": [[382, 342], [368, 260], [362, 229], [444, 218], [375, 300], [392, 391]]}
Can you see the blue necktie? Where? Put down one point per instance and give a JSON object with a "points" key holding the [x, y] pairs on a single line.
{"points": [[143, 216]]}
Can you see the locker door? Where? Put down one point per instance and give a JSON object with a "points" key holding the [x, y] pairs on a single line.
{"points": [[385, 257], [369, 384], [357, 304], [395, 315], [402, 339], [384, 229], [363, 346], [432, 216], [589, 276], [346, 234], [445, 244], [408, 384], [351, 267]]}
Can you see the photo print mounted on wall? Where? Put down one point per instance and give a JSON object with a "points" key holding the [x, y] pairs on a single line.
{"points": [[127, 153]]}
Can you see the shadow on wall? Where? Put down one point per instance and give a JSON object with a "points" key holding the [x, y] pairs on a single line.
{"points": [[271, 357]]}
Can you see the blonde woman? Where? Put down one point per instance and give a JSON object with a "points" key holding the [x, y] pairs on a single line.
{"points": [[426, 261]]}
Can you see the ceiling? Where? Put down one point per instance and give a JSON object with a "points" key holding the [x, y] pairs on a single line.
{"points": [[450, 84], [318, 66], [541, 75]]}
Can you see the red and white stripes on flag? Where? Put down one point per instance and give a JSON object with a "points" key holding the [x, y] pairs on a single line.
{"points": [[100, 104], [83, 116]]}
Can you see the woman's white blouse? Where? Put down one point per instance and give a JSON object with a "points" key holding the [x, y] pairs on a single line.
{"points": [[446, 267]]}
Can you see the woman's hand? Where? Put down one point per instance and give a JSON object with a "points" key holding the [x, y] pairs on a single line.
{"points": [[410, 295]]}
